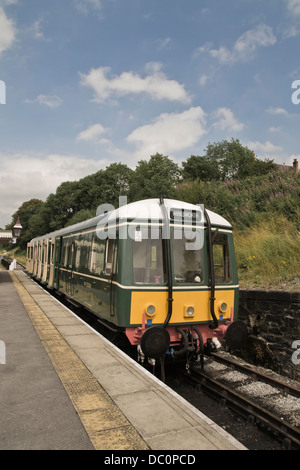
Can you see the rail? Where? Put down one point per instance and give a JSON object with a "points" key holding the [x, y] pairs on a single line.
{"points": [[252, 411], [246, 369]]}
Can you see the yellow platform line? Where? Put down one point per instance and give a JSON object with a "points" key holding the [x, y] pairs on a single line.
{"points": [[105, 424]]}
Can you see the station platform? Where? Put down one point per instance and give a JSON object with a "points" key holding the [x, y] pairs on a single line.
{"points": [[63, 386]]}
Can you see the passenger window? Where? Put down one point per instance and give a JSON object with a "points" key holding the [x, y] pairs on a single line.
{"points": [[65, 252], [221, 259], [85, 252], [111, 257], [97, 257], [148, 265], [57, 251]]}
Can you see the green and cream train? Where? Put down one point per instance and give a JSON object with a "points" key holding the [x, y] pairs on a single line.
{"points": [[161, 271]]}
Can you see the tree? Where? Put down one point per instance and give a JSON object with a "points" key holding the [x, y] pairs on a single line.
{"points": [[199, 168], [225, 160], [151, 178], [75, 201]]}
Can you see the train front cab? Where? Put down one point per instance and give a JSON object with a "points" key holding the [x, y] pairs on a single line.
{"points": [[191, 325]]}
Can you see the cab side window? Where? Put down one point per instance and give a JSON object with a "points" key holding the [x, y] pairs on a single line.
{"points": [[221, 259]]}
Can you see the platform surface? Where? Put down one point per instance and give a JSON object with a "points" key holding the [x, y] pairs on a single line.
{"points": [[64, 386]]}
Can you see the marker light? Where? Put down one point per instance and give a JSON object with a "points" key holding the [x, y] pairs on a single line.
{"points": [[223, 307], [189, 311], [150, 310]]}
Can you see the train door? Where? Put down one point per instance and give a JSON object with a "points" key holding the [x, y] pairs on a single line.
{"points": [[70, 281], [111, 268], [29, 259], [45, 260], [35, 258], [57, 261], [40, 258], [51, 263]]}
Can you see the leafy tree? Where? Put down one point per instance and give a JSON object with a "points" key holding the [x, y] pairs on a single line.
{"points": [[225, 160], [75, 201], [201, 168], [81, 216], [151, 178]]}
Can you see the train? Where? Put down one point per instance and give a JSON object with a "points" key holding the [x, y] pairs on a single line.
{"points": [[160, 271]]}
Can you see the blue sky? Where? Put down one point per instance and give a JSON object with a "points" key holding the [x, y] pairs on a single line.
{"points": [[92, 82]]}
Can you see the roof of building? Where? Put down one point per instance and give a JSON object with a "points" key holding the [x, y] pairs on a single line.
{"points": [[5, 235]]}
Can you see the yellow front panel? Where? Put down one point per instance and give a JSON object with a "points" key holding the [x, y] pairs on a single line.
{"points": [[199, 300]]}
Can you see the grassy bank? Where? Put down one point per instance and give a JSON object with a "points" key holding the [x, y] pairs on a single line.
{"points": [[268, 255]]}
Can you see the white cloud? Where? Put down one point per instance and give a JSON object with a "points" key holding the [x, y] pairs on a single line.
{"points": [[52, 101], [163, 43], [244, 47], [35, 30], [169, 132], [226, 120], [281, 111], [203, 79], [266, 147], [274, 129], [293, 10], [293, 7], [25, 177], [8, 2], [156, 84], [84, 6], [7, 31], [93, 134]]}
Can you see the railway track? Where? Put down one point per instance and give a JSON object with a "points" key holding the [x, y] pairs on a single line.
{"points": [[216, 382], [256, 396]]}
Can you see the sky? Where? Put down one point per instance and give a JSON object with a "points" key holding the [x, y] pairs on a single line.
{"points": [[87, 83]]}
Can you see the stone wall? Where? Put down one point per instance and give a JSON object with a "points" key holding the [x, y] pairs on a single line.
{"points": [[273, 321]]}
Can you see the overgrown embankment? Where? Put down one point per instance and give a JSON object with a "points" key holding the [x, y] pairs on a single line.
{"points": [[268, 254], [265, 214]]}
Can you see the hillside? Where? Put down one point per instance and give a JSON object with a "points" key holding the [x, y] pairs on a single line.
{"points": [[265, 214]]}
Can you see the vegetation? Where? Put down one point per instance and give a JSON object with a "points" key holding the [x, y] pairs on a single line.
{"points": [[223, 161], [260, 201], [268, 254]]}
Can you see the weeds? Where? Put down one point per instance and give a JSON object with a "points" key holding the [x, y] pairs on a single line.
{"points": [[268, 254]]}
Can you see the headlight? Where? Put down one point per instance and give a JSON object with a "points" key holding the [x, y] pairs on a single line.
{"points": [[150, 310], [223, 307], [189, 311]]}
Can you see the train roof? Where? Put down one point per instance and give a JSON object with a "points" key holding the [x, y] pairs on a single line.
{"points": [[144, 210]]}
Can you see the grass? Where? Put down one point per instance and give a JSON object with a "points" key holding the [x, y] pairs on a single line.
{"points": [[268, 255]]}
